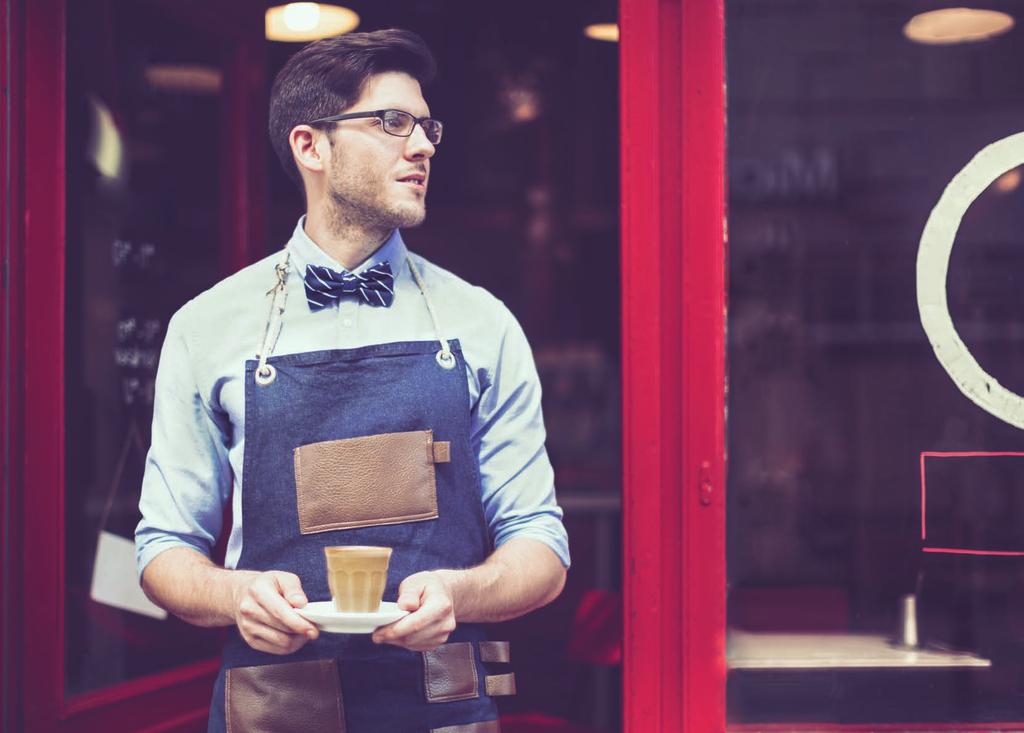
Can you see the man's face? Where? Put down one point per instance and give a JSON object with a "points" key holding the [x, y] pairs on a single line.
{"points": [[367, 166]]}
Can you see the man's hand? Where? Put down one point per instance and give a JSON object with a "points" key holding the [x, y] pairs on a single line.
{"points": [[264, 610], [432, 617]]}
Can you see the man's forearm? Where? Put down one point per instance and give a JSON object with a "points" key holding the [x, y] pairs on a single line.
{"points": [[520, 576], [190, 586]]}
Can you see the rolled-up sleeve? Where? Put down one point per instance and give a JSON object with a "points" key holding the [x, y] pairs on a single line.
{"points": [[518, 482], [187, 479]]}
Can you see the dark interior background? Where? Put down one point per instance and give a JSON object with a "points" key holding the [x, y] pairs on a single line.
{"points": [[523, 201]]}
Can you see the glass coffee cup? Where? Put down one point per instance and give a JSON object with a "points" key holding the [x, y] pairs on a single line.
{"points": [[356, 576]]}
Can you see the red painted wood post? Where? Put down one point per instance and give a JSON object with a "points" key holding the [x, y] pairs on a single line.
{"points": [[673, 284], [244, 165], [704, 313], [11, 165], [42, 353]]}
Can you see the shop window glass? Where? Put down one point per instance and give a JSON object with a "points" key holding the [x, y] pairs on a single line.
{"points": [[143, 222], [844, 426]]}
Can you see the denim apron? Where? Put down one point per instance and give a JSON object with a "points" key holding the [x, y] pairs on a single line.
{"points": [[343, 682]]}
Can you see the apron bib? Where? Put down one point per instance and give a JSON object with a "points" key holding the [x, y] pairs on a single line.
{"points": [[366, 446]]}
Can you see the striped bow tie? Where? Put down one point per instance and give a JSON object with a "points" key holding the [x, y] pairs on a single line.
{"points": [[324, 285]]}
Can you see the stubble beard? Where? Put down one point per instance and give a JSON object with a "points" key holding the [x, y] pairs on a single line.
{"points": [[354, 203]]}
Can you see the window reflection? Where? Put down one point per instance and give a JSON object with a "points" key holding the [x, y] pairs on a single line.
{"points": [[143, 215], [843, 134]]}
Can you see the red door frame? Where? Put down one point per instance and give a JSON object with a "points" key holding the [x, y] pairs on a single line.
{"points": [[42, 354], [10, 333], [176, 700], [672, 325], [674, 252], [672, 207], [673, 310]]}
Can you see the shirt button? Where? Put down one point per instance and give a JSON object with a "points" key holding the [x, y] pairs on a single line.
{"points": [[347, 323]]}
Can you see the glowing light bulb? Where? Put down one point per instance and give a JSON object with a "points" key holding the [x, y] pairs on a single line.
{"points": [[602, 32], [302, 22], [957, 25], [301, 17]]}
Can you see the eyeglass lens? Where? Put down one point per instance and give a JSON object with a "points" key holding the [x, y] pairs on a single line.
{"points": [[400, 123]]}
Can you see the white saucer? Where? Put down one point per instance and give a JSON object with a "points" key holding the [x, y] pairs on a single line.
{"points": [[324, 615]]}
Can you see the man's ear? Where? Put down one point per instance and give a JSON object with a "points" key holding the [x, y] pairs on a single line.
{"points": [[310, 147]]}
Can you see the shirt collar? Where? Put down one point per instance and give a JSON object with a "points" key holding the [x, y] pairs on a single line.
{"points": [[304, 251]]}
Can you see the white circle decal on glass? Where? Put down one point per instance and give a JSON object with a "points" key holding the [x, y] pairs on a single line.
{"points": [[933, 266]]}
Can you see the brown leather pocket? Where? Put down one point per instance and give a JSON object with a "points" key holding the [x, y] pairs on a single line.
{"points": [[275, 698], [367, 481], [449, 673]]}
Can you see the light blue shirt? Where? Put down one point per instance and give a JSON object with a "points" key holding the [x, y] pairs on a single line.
{"points": [[199, 412]]}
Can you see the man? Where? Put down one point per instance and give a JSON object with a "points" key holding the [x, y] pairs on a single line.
{"points": [[300, 406]]}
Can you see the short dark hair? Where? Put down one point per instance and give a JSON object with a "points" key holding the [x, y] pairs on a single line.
{"points": [[327, 76]]}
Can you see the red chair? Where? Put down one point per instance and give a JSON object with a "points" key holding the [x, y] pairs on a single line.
{"points": [[595, 638]]}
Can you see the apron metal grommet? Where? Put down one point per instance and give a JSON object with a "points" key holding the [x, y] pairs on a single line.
{"points": [[266, 375], [445, 359]]}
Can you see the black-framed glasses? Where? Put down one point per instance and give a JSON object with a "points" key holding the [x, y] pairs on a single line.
{"points": [[394, 122]]}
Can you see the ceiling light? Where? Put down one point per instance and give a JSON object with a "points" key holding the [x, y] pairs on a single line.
{"points": [[957, 25], [602, 32], [301, 22]]}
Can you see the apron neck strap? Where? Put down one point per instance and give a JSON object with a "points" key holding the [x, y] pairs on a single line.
{"points": [[444, 356], [265, 373]]}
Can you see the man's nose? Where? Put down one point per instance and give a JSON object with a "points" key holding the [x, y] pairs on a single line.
{"points": [[417, 145]]}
